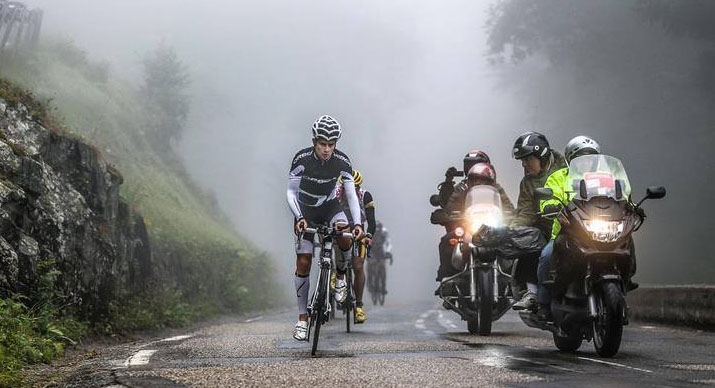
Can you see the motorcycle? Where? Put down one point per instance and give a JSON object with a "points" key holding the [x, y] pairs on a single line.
{"points": [[485, 254], [594, 249]]}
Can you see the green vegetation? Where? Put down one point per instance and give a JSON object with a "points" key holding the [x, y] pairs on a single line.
{"points": [[205, 267]]}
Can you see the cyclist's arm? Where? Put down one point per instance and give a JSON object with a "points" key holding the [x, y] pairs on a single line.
{"points": [[369, 204], [351, 196], [294, 178]]}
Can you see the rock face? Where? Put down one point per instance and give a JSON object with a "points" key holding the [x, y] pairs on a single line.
{"points": [[59, 203]]}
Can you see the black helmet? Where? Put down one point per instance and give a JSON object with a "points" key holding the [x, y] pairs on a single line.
{"points": [[531, 143], [473, 157]]}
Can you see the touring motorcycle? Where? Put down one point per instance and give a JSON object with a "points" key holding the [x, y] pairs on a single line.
{"points": [[592, 255], [485, 253]]}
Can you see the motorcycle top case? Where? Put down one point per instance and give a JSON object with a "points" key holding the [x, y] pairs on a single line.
{"points": [[516, 242]]}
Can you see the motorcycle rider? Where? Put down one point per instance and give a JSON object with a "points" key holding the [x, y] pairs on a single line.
{"points": [[563, 193], [539, 161], [451, 198], [367, 209], [311, 195]]}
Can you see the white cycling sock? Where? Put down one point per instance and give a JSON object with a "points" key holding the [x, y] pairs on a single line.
{"points": [[533, 288], [302, 286]]}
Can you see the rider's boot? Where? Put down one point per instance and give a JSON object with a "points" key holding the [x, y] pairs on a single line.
{"points": [[300, 332], [341, 291], [528, 302], [544, 313], [360, 316]]}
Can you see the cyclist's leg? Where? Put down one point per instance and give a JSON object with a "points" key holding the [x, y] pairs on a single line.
{"points": [[343, 253], [303, 261], [359, 274]]}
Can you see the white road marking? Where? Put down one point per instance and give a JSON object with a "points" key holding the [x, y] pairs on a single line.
{"points": [[648, 327], [707, 382], [615, 364], [140, 358], [544, 364], [177, 338], [253, 319], [425, 315], [445, 322]]}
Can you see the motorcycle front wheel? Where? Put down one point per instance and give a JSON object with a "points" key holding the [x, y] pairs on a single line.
{"points": [[608, 325], [485, 288]]}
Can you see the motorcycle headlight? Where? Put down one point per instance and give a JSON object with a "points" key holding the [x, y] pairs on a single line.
{"points": [[604, 231], [477, 219]]}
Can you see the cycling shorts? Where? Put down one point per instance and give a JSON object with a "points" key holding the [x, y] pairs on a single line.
{"points": [[329, 213]]}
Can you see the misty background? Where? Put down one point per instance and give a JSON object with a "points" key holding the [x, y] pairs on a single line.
{"points": [[413, 85]]}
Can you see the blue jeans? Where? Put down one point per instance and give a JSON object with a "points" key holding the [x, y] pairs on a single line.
{"points": [[542, 272]]}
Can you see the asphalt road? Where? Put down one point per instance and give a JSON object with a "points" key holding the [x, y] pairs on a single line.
{"points": [[416, 344]]}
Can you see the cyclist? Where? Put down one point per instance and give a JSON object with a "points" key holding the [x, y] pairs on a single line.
{"points": [[367, 208], [380, 252], [539, 161], [311, 194]]}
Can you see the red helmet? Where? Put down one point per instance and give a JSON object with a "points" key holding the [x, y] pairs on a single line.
{"points": [[473, 157], [482, 171]]}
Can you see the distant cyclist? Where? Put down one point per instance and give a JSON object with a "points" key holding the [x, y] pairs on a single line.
{"points": [[380, 252], [312, 197], [367, 208]]}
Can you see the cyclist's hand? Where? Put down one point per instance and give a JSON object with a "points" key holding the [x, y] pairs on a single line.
{"points": [[300, 225], [358, 232]]}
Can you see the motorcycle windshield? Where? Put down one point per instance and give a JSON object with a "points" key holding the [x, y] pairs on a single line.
{"points": [[483, 207], [601, 175]]}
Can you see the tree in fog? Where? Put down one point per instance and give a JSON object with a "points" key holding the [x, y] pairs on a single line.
{"points": [[166, 82]]}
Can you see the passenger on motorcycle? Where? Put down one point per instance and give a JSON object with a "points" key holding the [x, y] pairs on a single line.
{"points": [[482, 173], [539, 161], [311, 195], [451, 198], [367, 210], [563, 193]]}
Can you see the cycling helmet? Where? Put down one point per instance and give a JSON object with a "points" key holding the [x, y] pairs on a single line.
{"points": [[326, 128], [481, 171], [357, 177], [473, 157], [531, 143], [581, 145]]}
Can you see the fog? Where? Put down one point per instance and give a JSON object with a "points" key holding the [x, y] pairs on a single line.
{"points": [[409, 82]]}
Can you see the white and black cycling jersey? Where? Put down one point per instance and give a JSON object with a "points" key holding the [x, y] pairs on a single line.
{"points": [[313, 183]]}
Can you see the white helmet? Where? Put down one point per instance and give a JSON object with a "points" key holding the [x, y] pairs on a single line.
{"points": [[581, 145], [326, 128]]}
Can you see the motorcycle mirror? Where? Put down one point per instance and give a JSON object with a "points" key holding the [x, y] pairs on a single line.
{"points": [[543, 193], [434, 200], [655, 192], [583, 192]]}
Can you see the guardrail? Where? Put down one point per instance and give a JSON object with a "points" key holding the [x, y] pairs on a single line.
{"points": [[691, 305], [19, 26]]}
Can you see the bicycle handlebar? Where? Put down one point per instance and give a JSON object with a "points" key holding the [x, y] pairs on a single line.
{"points": [[325, 231]]}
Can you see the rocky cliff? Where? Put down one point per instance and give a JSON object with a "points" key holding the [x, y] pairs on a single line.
{"points": [[60, 209]]}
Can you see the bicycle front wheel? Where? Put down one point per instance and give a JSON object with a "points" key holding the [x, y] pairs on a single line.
{"points": [[319, 311]]}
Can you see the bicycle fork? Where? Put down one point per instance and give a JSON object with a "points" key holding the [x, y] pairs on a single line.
{"points": [[325, 264]]}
